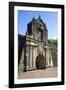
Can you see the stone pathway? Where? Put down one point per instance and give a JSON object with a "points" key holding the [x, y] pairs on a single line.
{"points": [[50, 72]]}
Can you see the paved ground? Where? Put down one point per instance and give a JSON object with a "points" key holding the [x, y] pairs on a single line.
{"points": [[50, 72]]}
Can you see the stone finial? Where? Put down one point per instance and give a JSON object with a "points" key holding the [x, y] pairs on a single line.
{"points": [[39, 17], [33, 18]]}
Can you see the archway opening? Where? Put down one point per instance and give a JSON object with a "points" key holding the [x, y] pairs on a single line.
{"points": [[40, 62]]}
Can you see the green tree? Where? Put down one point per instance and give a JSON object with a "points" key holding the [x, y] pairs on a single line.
{"points": [[52, 41]]}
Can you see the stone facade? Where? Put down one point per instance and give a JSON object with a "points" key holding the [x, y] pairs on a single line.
{"points": [[36, 53]]}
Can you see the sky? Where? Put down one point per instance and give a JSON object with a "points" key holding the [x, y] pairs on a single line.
{"points": [[49, 18]]}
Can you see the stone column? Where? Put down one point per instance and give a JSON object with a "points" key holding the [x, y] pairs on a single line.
{"points": [[30, 57], [47, 57], [51, 62], [34, 57]]}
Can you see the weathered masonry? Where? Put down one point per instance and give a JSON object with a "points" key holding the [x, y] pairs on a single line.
{"points": [[34, 49]]}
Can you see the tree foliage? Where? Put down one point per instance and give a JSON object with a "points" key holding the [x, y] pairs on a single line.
{"points": [[52, 41]]}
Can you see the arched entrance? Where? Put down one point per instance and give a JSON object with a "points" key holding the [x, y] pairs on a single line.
{"points": [[40, 62]]}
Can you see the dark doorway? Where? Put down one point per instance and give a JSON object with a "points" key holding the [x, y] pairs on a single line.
{"points": [[40, 62]]}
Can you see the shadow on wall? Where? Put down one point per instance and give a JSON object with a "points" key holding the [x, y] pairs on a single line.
{"points": [[21, 40], [40, 62]]}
